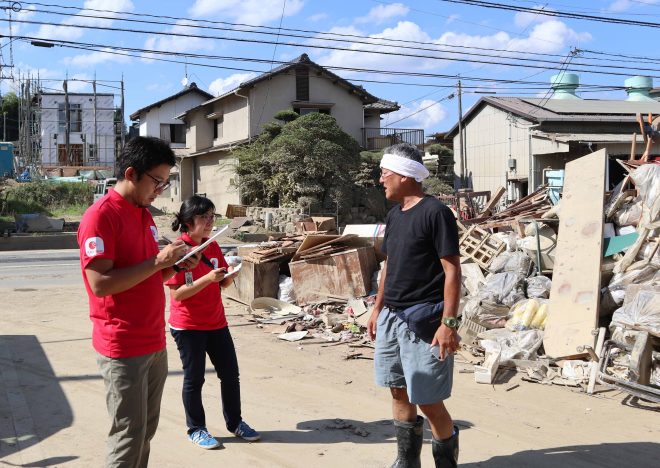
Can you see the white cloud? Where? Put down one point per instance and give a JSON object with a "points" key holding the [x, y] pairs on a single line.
{"points": [[245, 11], [174, 42], [16, 27], [222, 85], [47, 31], [545, 38], [381, 13], [622, 5], [426, 114], [404, 30], [95, 58], [317, 17], [524, 19], [80, 86]]}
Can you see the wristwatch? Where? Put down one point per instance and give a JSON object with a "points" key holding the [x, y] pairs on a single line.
{"points": [[451, 322]]}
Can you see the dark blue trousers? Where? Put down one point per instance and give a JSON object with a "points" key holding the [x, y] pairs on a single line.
{"points": [[193, 346]]}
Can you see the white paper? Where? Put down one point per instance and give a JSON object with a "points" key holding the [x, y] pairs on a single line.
{"points": [[235, 271], [202, 246]]}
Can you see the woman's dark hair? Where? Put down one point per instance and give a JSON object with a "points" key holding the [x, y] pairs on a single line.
{"points": [[194, 206]]}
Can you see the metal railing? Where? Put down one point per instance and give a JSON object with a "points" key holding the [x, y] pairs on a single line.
{"points": [[380, 138]]}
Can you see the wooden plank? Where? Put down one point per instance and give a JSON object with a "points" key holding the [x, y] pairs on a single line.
{"points": [[575, 293], [492, 203], [344, 274], [254, 280]]}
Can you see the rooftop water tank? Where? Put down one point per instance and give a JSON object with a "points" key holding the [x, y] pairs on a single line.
{"points": [[638, 88], [564, 85]]}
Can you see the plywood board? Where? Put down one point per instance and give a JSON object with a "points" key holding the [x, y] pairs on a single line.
{"points": [[345, 274], [575, 293]]}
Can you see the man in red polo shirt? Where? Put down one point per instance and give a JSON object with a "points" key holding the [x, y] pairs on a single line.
{"points": [[123, 271]]}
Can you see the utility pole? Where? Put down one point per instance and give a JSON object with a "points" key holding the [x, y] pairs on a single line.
{"points": [[460, 135], [97, 153], [67, 123]]}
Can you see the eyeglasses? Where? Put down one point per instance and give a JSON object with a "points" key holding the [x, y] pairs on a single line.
{"points": [[160, 184], [208, 217], [385, 174]]}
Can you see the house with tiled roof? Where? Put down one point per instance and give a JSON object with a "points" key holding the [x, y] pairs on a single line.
{"points": [[511, 141], [218, 125]]}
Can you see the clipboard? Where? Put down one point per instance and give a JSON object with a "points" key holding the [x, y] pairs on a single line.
{"points": [[201, 247]]}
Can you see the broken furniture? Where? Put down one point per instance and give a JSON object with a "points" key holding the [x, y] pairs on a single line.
{"points": [[319, 270]]}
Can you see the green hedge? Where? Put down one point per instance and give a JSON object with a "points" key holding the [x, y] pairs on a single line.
{"points": [[46, 197]]}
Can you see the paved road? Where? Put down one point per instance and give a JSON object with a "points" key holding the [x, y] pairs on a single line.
{"points": [[24, 270]]}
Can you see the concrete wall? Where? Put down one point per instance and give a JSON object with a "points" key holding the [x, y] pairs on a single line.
{"points": [[166, 113], [490, 139], [279, 92], [235, 119], [214, 173], [52, 136]]}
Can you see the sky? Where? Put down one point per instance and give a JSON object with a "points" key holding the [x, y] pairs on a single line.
{"points": [[443, 40]]}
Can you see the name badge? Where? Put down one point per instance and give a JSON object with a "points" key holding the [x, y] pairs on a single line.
{"points": [[189, 278]]}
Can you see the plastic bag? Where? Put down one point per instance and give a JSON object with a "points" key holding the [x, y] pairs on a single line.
{"points": [[620, 281], [629, 214], [513, 262], [528, 314], [641, 308], [512, 345], [285, 292], [485, 313], [539, 286], [503, 288], [647, 182]]}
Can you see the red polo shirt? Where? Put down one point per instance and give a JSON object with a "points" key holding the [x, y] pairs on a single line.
{"points": [[204, 310], [130, 323]]}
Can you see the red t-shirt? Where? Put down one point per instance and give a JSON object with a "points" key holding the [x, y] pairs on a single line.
{"points": [[204, 310], [130, 323]]}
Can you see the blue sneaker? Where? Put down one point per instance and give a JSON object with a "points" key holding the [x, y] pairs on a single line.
{"points": [[246, 432], [203, 439]]}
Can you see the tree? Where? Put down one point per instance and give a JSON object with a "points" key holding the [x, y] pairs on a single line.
{"points": [[9, 117], [310, 158]]}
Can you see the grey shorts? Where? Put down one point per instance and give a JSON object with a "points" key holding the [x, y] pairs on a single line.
{"points": [[402, 360]]}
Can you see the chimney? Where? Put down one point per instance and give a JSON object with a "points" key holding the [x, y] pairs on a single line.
{"points": [[638, 88], [564, 85]]}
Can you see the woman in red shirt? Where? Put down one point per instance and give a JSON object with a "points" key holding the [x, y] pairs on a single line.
{"points": [[199, 327]]}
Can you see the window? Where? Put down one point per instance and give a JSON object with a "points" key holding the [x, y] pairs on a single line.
{"points": [[173, 133], [75, 117], [217, 127], [311, 110], [302, 84]]}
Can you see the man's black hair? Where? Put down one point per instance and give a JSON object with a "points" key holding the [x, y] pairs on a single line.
{"points": [[142, 154], [405, 150], [193, 206]]}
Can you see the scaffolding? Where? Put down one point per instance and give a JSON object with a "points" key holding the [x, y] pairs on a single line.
{"points": [[63, 131]]}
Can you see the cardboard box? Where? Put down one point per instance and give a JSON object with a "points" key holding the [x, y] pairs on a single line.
{"points": [[344, 274]]}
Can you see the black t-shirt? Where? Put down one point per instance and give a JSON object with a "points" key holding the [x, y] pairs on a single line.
{"points": [[415, 241]]}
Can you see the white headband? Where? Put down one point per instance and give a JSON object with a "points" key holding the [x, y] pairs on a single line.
{"points": [[404, 166]]}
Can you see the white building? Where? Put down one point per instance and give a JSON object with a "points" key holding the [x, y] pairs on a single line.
{"points": [[159, 120], [91, 129]]}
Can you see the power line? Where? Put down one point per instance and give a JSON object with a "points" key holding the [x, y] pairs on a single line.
{"points": [[379, 52], [90, 47], [354, 38], [562, 14]]}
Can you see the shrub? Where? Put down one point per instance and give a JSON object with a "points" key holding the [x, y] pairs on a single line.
{"points": [[45, 197]]}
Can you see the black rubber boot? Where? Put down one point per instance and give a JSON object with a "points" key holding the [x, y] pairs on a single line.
{"points": [[445, 452], [409, 439]]}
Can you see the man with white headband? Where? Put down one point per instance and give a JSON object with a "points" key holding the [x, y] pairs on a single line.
{"points": [[414, 318]]}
